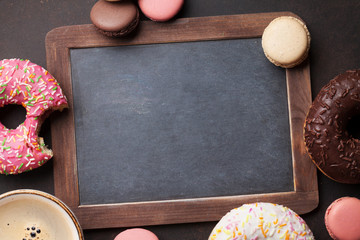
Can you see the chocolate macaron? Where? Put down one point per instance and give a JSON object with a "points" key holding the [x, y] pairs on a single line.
{"points": [[115, 19]]}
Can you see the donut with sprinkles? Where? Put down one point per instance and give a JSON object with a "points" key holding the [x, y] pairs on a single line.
{"points": [[25, 83], [261, 221]]}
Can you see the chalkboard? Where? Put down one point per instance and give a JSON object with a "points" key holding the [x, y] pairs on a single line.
{"points": [[167, 125], [175, 121]]}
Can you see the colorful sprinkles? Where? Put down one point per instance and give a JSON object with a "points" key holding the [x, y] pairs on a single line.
{"points": [[21, 149], [261, 221]]}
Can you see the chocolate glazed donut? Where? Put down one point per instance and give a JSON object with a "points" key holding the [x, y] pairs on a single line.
{"points": [[331, 147]]}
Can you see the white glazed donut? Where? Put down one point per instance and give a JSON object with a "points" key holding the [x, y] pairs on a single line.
{"points": [[261, 221]]}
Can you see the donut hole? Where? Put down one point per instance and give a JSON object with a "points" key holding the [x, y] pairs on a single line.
{"points": [[12, 115], [353, 127]]}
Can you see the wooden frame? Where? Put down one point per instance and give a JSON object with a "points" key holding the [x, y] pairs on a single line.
{"points": [[59, 41]]}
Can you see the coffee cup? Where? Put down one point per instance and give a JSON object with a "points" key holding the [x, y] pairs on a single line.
{"points": [[31, 214]]}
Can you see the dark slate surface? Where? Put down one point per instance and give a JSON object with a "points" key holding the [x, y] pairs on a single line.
{"points": [[334, 27]]}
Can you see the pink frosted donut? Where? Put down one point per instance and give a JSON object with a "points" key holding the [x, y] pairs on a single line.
{"points": [[160, 10], [25, 83]]}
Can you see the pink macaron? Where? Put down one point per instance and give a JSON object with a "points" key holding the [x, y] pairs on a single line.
{"points": [[136, 234], [160, 10], [342, 219]]}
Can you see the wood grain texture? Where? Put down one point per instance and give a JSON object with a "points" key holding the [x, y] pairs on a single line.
{"points": [[299, 100], [58, 44]]}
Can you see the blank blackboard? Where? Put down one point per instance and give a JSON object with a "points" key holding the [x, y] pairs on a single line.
{"points": [[178, 119]]}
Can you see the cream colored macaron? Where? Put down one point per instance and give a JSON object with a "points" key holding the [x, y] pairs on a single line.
{"points": [[286, 41]]}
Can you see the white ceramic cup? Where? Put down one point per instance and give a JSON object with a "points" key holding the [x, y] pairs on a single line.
{"points": [[31, 214]]}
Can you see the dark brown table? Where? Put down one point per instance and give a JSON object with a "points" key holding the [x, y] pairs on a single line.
{"points": [[334, 26]]}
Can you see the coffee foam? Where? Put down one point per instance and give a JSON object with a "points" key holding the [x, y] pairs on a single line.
{"points": [[29, 216]]}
